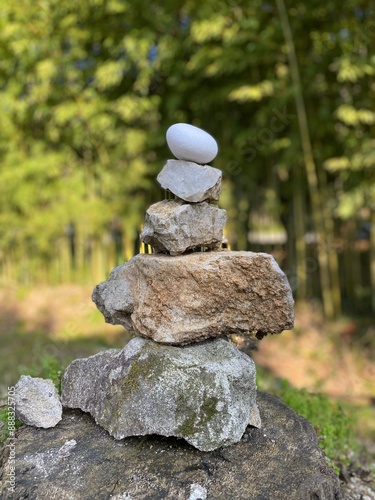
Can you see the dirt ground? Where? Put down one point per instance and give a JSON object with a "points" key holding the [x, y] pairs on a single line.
{"points": [[336, 358]]}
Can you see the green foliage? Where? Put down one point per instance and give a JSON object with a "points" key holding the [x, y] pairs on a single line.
{"points": [[4, 427], [333, 426], [88, 89], [73, 146], [48, 367]]}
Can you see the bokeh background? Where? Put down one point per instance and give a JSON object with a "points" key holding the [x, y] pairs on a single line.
{"points": [[87, 91]]}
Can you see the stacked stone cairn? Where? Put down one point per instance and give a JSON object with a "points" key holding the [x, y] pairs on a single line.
{"points": [[180, 376]]}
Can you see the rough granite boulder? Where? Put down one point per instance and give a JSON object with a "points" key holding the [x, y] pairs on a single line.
{"points": [[204, 393], [188, 298], [78, 460], [173, 227], [37, 402], [191, 182]]}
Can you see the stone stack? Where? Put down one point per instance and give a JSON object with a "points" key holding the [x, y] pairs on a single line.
{"points": [[180, 376]]}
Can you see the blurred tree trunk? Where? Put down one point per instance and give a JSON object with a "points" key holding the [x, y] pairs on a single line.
{"points": [[299, 234], [372, 258], [310, 167], [333, 260]]}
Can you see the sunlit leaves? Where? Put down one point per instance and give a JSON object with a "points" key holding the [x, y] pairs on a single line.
{"points": [[209, 29], [337, 164], [132, 108], [352, 116], [252, 92], [72, 150], [351, 70], [110, 74]]}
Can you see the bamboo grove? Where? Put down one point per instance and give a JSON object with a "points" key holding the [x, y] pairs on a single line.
{"points": [[89, 88]]}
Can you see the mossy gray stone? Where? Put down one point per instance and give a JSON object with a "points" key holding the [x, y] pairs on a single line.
{"points": [[204, 393]]}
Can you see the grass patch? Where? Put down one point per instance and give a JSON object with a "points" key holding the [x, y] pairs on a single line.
{"points": [[49, 367], [331, 423], [4, 423], [335, 429]]}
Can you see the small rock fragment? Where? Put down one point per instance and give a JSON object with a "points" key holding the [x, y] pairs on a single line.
{"points": [[191, 182], [197, 492], [204, 393], [37, 402], [172, 226]]}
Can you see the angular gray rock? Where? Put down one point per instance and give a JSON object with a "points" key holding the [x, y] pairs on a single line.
{"points": [[204, 393], [172, 226], [37, 402], [78, 460], [191, 182], [188, 298]]}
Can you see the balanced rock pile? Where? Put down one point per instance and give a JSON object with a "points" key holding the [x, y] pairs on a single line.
{"points": [[181, 376]]}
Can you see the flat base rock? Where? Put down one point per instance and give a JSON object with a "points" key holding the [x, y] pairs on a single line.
{"points": [[78, 460]]}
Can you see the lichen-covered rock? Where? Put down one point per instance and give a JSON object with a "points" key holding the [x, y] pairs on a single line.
{"points": [[172, 226], [188, 298], [37, 402], [191, 182], [204, 393], [78, 460]]}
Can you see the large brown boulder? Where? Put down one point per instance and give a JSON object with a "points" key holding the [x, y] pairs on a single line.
{"points": [[189, 298]]}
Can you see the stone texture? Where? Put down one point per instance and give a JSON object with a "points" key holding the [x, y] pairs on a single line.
{"points": [[191, 182], [281, 461], [37, 402], [191, 143], [188, 298], [172, 226], [358, 488], [204, 393]]}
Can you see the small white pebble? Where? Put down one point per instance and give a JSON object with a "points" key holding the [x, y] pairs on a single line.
{"points": [[191, 143], [197, 492]]}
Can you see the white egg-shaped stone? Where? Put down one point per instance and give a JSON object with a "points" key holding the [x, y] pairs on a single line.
{"points": [[191, 143]]}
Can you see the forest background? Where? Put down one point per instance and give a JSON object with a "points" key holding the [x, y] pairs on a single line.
{"points": [[88, 90]]}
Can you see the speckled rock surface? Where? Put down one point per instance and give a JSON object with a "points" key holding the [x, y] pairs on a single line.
{"points": [[191, 182], [37, 402], [188, 298], [172, 226], [78, 460], [204, 393]]}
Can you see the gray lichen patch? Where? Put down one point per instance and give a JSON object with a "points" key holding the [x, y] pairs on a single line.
{"points": [[197, 422]]}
